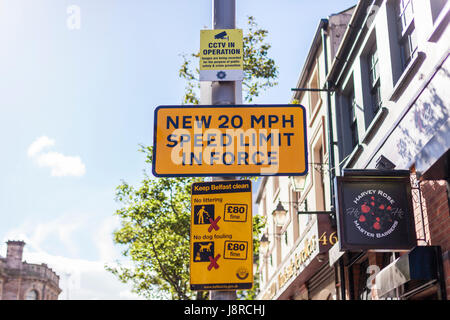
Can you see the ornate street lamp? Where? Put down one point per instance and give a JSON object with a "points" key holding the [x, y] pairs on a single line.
{"points": [[264, 243], [298, 183], [280, 215]]}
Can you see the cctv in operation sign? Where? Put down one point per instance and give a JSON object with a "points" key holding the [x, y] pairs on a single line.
{"points": [[237, 140], [221, 236], [221, 55]]}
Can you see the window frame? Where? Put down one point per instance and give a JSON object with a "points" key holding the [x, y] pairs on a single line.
{"points": [[353, 119], [314, 97], [374, 78], [36, 294], [407, 35]]}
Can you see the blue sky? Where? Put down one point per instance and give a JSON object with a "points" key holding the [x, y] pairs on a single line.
{"points": [[85, 98]]}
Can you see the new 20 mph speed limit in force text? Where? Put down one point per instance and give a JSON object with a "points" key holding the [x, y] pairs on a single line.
{"points": [[236, 140]]}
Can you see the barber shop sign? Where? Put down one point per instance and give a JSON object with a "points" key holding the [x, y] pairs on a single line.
{"points": [[375, 211]]}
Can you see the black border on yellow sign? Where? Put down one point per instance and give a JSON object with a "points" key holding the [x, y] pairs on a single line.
{"points": [[231, 285], [155, 127]]}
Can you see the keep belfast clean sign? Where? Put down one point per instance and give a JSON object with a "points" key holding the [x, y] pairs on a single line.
{"points": [[221, 236], [375, 212]]}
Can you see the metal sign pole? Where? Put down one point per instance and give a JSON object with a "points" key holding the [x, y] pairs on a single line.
{"points": [[223, 93]]}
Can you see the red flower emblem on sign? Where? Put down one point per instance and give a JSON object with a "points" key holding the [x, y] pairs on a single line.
{"points": [[375, 214], [365, 208]]}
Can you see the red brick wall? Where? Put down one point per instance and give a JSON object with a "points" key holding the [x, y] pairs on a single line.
{"points": [[436, 220]]}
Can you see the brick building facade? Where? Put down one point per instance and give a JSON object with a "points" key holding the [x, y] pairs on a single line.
{"points": [[20, 280], [391, 112], [436, 226]]}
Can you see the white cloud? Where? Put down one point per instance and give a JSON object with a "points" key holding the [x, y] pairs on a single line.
{"points": [[61, 229], [80, 279], [60, 165], [39, 144], [103, 238]]}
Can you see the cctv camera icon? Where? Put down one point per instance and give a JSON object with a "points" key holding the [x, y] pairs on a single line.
{"points": [[221, 36]]}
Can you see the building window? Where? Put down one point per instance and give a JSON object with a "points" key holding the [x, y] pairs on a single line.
{"points": [[406, 31], [263, 206], [436, 8], [322, 178], [276, 186], [295, 207], [314, 96], [374, 75], [353, 120], [309, 216], [301, 207], [31, 295]]}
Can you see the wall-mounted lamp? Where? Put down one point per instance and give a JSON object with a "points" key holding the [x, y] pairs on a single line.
{"points": [[280, 214], [264, 243], [298, 183]]}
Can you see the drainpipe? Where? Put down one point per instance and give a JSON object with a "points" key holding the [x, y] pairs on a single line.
{"points": [[331, 156], [329, 86]]}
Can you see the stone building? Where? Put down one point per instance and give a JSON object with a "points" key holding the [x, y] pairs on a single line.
{"points": [[293, 260], [375, 89], [391, 110], [20, 280]]}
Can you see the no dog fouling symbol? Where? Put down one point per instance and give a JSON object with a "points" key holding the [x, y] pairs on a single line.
{"points": [[203, 251]]}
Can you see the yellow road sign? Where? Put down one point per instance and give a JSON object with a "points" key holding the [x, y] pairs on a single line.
{"points": [[239, 140], [221, 55], [221, 236]]}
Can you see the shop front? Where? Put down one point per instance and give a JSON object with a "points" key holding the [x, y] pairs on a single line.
{"points": [[305, 274]]}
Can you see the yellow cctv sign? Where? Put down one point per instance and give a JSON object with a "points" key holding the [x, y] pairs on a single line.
{"points": [[221, 55], [239, 140], [221, 236]]}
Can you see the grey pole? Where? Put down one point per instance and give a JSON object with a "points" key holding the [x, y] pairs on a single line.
{"points": [[224, 17], [223, 93]]}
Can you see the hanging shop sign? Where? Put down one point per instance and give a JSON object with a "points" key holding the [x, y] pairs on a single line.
{"points": [[375, 212], [221, 236], [238, 140], [221, 55]]}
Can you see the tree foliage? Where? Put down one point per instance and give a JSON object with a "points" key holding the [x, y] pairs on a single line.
{"points": [[155, 216], [155, 220]]}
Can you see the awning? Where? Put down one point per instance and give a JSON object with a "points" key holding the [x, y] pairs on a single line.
{"points": [[439, 170], [433, 160], [418, 267]]}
